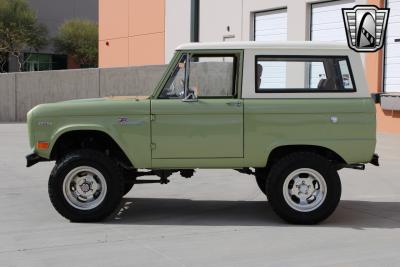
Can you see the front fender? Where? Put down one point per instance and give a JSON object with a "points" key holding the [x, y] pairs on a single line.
{"points": [[122, 138]]}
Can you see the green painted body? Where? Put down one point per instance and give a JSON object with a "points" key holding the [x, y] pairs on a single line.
{"points": [[209, 133]]}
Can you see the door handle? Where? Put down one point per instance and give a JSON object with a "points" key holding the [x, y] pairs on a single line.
{"points": [[235, 103]]}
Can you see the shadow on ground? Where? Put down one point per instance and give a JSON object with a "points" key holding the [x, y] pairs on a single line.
{"points": [[161, 211]]}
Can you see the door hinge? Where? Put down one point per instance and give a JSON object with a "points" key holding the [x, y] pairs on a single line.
{"points": [[152, 117], [152, 146]]}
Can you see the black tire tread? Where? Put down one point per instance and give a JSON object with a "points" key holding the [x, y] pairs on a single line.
{"points": [[322, 165], [114, 193]]}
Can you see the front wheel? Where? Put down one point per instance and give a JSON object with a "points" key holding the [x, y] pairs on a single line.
{"points": [[303, 188], [86, 186]]}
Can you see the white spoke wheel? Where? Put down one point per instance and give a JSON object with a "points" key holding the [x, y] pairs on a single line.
{"points": [[303, 188], [86, 186]]}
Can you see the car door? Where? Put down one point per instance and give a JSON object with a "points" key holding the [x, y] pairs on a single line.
{"points": [[198, 114]]}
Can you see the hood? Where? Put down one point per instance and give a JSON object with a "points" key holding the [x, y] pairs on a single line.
{"points": [[115, 105]]}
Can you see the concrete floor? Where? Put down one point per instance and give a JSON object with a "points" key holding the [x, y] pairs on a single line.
{"points": [[217, 218]]}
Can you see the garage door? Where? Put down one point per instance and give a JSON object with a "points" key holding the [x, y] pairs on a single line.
{"points": [[327, 21], [270, 25], [392, 52]]}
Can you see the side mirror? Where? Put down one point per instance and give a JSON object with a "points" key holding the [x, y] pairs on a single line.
{"points": [[190, 97]]}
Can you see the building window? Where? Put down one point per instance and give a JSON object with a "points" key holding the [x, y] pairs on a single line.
{"points": [[42, 62], [327, 21], [270, 25]]}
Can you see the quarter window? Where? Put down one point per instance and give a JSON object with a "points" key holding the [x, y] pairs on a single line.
{"points": [[175, 87], [303, 74]]}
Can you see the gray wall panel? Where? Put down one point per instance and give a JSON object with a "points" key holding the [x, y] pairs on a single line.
{"points": [[51, 86], [139, 81], [7, 97]]}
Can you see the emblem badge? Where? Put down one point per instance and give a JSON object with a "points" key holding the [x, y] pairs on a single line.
{"points": [[123, 120], [365, 27]]}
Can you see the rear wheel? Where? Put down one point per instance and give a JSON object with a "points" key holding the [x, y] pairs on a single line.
{"points": [[303, 188], [85, 186], [128, 184]]}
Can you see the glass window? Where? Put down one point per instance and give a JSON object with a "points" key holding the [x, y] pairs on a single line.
{"points": [[345, 74], [40, 62], [317, 73], [212, 76], [205, 76], [302, 74], [175, 87]]}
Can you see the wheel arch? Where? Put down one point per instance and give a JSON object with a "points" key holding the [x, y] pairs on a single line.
{"points": [[94, 137], [280, 151]]}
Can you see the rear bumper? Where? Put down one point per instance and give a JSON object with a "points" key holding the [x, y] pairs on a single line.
{"points": [[33, 158], [361, 166], [375, 160]]}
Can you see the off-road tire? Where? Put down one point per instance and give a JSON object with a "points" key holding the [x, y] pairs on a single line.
{"points": [[128, 184], [298, 160], [95, 159], [261, 179], [261, 183]]}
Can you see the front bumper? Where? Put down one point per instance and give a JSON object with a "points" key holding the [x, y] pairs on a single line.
{"points": [[34, 158]]}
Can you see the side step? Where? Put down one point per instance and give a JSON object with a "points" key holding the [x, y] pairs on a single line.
{"points": [[162, 174]]}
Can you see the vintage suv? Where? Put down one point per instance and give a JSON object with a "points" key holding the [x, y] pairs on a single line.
{"points": [[291, 113]]}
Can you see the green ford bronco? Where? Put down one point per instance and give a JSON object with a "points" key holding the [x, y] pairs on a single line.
{"points": [[292, 114]]}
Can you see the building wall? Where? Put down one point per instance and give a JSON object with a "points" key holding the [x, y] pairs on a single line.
{"points": [[388, 120], [131, 32], [177, 25], [217, 16]]}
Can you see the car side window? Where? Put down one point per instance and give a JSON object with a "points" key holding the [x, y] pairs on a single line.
{"points": [[212, 75], [303, 74], [175, 87]]}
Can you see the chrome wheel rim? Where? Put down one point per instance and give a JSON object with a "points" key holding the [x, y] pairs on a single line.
{"points": [[304, 190], [84, 188]]}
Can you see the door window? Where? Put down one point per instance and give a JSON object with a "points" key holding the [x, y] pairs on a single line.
{"points": [[212, 76], [205, 76]]}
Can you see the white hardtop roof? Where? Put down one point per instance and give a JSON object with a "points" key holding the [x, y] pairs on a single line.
{"points": [[264, 45]]}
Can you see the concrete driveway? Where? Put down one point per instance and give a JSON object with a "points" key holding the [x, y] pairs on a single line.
{"points": [[217, 218]]}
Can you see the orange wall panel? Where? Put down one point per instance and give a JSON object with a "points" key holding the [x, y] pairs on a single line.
{"points": [[146, 16], [388, 121], [114, 53], [113, 19], [134, 31], [146, 49]]}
